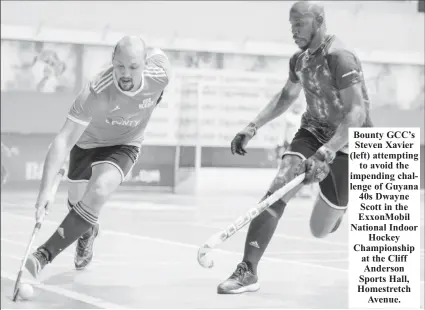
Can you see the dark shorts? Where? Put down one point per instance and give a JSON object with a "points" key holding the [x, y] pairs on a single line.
{"points": [[81, 160], [334, 188]]}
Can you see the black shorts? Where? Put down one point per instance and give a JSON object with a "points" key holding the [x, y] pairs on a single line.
{"points": [[81, 160], [334, 188]]}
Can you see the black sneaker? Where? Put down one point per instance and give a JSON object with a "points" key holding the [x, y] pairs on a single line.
{"points": [[242, 280], [36, 262], [84, 251]]}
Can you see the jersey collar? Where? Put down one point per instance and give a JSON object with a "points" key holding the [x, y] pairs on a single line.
{"points": [[321, 47]]}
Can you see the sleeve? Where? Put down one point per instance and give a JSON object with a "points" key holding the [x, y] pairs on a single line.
{"points": [[82, 109], [159, 67], [292, 65], [345, 68]]}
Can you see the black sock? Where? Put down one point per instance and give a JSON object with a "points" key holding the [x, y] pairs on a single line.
{"points": [[75, 224], [70, 207], [260, 233]]}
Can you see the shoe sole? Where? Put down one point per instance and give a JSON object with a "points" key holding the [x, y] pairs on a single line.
{"points": [[32, 267], [83, 266], [244, 289]]}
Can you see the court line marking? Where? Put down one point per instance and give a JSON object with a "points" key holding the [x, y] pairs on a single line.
{"points": [[66, 253], [20, 259], [325, 260], [279, 235], [187, 245], [104, 263], [126, 263], [114, 263], [314, 252], [98, 262], [141, 206], [97, 302], [306, 252], [317, 240]]}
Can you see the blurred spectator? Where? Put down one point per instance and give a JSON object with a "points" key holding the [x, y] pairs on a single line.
{"points": [[255, 63], [6, 152], [94, 58], [37, 66], [193, 59]]}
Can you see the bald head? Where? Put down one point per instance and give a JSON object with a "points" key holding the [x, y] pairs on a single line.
{"points": [[307, 9], [130, 46], [129, 61], [307, 20]]}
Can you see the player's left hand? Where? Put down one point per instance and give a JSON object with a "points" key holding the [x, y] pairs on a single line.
{"points": [[242, 138], [316, 168]]}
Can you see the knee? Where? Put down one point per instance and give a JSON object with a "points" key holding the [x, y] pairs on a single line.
{"points": [[319, 226], [288, 168], [325, 218], [290, 164], [100, 189], [98, 192]]}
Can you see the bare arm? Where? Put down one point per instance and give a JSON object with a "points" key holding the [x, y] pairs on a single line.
{"points": [[355, 116], [58, 152], [279, 104]]}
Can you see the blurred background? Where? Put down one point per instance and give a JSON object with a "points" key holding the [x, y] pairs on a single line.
{"points": [[228, 59]]}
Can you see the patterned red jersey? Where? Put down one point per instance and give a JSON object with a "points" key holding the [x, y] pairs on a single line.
{"points": [[329, 69], [117, 117]]}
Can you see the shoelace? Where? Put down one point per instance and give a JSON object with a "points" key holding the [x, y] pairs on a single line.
{"points": [[239, 272], [85, 245]]}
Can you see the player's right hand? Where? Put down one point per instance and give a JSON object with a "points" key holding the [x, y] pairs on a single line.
{"points": [[242, 138], [41, 207]]}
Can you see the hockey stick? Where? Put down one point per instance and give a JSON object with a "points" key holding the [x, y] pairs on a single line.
{"points": [[34, 233], [220, 237]]}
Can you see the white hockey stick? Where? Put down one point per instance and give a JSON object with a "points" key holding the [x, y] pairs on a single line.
{"points": [[220, 237]]}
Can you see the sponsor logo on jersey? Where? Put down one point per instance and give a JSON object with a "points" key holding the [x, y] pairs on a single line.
{"points": [[119, 121], [147, 103]]}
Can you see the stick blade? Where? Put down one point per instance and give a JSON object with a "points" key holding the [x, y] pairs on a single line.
{"points": [[15, 295]]}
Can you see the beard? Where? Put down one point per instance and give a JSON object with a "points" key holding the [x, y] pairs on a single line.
{"points": [[309, 41], [126, 84], [304, 43]]}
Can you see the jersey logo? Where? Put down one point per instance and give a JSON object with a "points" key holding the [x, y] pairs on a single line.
{"points": [[350, 73], [115, 109], [147, 103], [120, 121]]}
